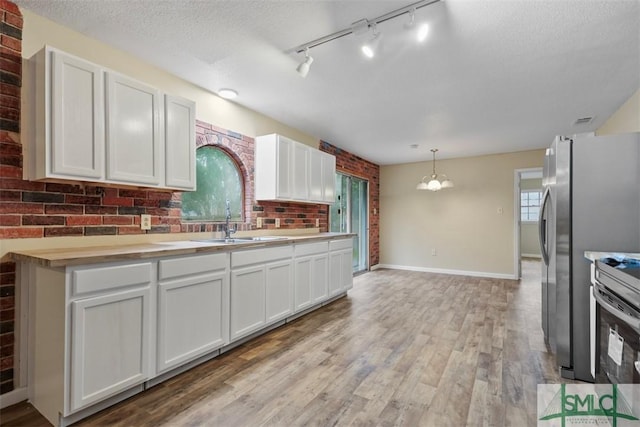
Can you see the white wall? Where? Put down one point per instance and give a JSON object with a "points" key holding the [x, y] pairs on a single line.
{"points": [[625, 120], [462, 224]]}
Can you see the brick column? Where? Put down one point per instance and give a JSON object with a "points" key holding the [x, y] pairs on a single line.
{"points": [[10, 166]]}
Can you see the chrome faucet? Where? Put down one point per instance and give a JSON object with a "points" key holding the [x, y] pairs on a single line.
{"points": [[228, 231]]}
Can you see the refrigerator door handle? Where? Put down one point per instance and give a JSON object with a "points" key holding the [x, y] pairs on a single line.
{"points": [[542, 225]]}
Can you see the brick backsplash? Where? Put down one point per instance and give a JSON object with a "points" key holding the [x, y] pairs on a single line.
{"points": [[30, 209]]}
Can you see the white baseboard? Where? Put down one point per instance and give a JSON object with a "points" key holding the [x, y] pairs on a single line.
{"points": [[530, 256], [15, 396], [374, 267], [447, 271]]}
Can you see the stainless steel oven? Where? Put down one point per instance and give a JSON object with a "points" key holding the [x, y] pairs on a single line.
{"points": [[617, 292]]}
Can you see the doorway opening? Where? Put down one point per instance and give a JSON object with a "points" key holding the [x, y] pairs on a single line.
{"points": [[349, 214], [527, 198]]}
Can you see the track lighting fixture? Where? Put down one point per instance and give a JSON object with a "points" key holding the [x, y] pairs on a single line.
{"points": [[369, 48], [423, 32], [412, 19], [303, 68]]}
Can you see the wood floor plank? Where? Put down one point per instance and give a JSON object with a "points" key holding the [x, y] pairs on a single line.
{"points": [[403, 349]]}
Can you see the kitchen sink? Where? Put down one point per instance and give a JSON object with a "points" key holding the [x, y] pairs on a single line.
{"points": [[235, 240]]}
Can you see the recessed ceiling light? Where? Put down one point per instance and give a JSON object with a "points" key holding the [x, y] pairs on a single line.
{"points": [[227, 93]]}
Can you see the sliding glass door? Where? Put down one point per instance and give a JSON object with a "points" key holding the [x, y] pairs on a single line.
{"points": [[349, 214]]}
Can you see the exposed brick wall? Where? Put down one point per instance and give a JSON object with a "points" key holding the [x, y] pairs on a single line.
{"points": [[361, 168], [10, 166]]}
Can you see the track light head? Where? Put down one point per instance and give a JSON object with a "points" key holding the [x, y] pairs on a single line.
{"points": [[303, 68], [369, 49], [412, 20], [423, 32]]}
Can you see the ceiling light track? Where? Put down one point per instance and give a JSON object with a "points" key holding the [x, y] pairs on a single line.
{"points": [[369, 23]]}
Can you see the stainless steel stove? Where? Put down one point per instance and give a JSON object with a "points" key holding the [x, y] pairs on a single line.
{"points": [[617, 292]]}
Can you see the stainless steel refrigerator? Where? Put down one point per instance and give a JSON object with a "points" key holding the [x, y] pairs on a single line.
{"points": [[591, 201]]}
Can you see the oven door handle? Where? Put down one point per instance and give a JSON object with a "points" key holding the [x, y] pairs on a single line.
{"points": [[631, 321]]}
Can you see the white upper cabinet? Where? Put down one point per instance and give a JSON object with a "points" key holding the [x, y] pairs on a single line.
{"points": [[133, 131], [290, 171], [180, 133], [92, 124], [300, 175], [328, 178], [322, 177], [70, 118], [273, 167]]}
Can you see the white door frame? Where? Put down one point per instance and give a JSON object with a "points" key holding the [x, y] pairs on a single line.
{"points": [[517, 177]]}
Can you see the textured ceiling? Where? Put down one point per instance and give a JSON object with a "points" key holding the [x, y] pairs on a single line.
{"points": [[494, 75]]}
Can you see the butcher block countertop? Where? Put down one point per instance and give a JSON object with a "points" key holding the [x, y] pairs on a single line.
{"points": [[90, 255]]}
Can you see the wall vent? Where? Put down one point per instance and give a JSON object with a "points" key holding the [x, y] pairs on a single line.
{"points": [[583, 121]]}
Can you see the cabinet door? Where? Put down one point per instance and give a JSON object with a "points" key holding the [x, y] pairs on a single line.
{"points": [[133, 132], [300, 178], [320, 278], [316, 183], [77, 118], [109, 345], [247, 301], [279, 290], [328, 178], [192, 318], [346, 266], [303, 277], [180, 143], [335, 273], [284, 162]]}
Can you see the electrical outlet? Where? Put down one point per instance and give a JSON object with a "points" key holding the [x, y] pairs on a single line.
{"points": [[433, 252], [317, 222], [500, 211], [258, 222], [145, 222], [277, 222]]}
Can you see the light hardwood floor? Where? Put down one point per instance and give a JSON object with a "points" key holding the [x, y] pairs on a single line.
{"points": [[404, 348]]}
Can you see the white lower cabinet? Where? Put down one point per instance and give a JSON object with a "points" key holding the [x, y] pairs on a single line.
{"points": [[109, 345], [261, 288], [99, 332], [340, 266], [319, 278], [193, 301], [279, 290], [311, 274], [247, 301]]}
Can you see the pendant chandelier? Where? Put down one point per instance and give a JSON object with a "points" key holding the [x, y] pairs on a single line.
{"points": [[434, 184]]}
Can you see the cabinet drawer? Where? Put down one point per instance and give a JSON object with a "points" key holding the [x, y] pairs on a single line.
{"points": [[260, 256], [336, 245], [191, 265], [311, 248], [96, 279]]}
